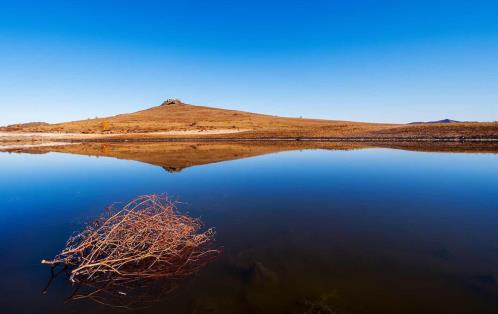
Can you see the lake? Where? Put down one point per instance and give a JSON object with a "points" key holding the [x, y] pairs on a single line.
{"points": [[344, 228]]}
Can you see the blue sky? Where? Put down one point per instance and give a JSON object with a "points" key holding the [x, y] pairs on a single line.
{"points": [[385, 61]]}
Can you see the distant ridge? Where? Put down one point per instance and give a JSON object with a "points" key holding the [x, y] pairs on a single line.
{"points": [[21, 126], [438, 121]]}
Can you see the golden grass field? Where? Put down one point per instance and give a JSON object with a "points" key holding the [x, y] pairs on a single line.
{"points": [[178, 120]]}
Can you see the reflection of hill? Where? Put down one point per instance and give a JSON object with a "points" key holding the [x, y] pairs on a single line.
{"points": [[175, 156], [444, 147]]}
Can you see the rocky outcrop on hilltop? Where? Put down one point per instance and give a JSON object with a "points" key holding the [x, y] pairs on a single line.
{"points": [[172, 101]]}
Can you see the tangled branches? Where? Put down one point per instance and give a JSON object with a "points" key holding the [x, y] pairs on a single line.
{"points": [[145, 239]]}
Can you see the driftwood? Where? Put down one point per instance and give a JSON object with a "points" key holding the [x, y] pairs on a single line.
{"points": [[146, 239]]}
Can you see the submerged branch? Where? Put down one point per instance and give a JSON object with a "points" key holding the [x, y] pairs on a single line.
{"points": [[146, 239]]}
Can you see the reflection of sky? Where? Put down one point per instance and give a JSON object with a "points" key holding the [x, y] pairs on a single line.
{"points": [[370, 174]]}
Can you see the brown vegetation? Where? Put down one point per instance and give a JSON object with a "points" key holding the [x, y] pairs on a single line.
{"points": [[449, 130], [174, 119], [23, 126], [146, 239], [174, 116]]}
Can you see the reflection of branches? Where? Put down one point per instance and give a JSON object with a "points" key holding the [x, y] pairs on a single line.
{"points": [[132, 293], [146, 239], [129, 294]]}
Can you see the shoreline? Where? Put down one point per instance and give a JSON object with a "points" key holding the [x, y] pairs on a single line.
{"points": [[97, 138], [278, 139], [25, 139]]}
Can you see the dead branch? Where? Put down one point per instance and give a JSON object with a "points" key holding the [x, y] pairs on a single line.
{"points": [[146, 239]]}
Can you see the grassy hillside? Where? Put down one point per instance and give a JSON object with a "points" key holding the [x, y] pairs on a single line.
{"points": [[460, 129], [176, 120], [177, 117]]}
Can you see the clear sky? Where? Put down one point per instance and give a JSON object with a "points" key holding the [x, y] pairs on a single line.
{"points": [[385, 61]]}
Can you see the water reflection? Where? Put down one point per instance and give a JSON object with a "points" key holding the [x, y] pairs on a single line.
{"points": [[176, 156], [132, 294], [371, 230]]}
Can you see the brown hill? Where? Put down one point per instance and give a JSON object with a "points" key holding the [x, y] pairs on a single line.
{"points": [[22, 126], [174, 119]]}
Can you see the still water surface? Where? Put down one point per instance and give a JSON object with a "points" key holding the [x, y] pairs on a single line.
{"points": [[315, 231]]}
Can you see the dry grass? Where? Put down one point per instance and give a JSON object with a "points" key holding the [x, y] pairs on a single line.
{"points": [[461, 129], [187, 118], [188, 121]]}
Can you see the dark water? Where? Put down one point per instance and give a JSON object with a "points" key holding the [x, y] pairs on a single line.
{"points": [[367, 231]]}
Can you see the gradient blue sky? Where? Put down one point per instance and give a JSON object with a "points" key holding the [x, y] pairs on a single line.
{"points": [[389, 61]]}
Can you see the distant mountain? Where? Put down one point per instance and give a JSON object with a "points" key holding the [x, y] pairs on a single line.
{"points": [[438, 121], [21, 126]]}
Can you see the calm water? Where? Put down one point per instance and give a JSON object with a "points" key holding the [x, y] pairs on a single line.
{"points": [[315, 231]]}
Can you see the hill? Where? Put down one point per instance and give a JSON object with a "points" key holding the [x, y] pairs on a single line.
{"points": [[174, 119], [22, 126], [439, 121]]}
